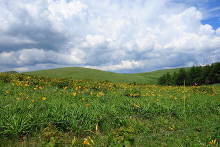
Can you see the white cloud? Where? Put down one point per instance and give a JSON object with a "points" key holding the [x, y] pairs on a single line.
{"points": [[39, 56], [110, 35], [15, 40], [94, 40], [64, 9], [21, 69], [218, 31], [61, 12], [123, 65]]}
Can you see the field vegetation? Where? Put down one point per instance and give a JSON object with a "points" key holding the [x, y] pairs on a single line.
{"points": [[80, 73], [39, 111]]}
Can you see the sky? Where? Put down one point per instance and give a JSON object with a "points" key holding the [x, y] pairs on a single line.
{"points": [[125, 36]]}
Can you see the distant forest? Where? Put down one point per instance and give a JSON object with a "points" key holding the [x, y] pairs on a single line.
{"points": [[196, 75]]}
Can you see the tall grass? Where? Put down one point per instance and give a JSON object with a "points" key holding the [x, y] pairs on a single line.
{"points": [[43, 111]]}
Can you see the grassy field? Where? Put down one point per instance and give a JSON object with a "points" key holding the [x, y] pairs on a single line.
{"points": [[79, 73], [51, 112]]}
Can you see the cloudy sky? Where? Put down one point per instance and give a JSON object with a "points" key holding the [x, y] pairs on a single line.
{"points": [[113, 35]]}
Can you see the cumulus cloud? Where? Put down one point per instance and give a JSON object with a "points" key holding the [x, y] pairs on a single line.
{"points": [[123, 36], [123, 65], [30, 57]]}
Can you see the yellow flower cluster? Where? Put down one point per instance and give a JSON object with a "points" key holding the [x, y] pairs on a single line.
{"points": [[134, 94], [38, 87], [7, 92], [43, 98], [88, 141], [213, 142], [74, 94], [99, 94]]}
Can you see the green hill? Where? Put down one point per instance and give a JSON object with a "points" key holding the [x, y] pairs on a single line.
{"points": [[80, 73]]}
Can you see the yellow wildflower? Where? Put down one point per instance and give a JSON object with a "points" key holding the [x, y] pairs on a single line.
{"points": [[172, 128], [86, 142], [7, 92], [74, 140], [18, 99], [43, 98], [99, 94], [213, 141], [74, 93]]}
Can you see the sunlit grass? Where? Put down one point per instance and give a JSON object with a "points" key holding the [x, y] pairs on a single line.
{"points": [[42, 111]]}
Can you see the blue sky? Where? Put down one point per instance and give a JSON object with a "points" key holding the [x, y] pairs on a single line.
{"points": [[121, 36], [210, 8]]}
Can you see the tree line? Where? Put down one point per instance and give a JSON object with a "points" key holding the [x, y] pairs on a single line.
{"points": [[196, 75]]}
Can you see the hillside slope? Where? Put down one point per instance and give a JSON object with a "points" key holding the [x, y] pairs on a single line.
{"points": [[80, 73]]}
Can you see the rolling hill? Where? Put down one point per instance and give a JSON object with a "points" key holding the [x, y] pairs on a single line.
{"points": [[80, 73]]}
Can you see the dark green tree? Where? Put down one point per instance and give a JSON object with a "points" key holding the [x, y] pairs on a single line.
{"points": [[181, 77], [216, 70], [205, 74], [196, 75], [174, 78], [162, 80]]}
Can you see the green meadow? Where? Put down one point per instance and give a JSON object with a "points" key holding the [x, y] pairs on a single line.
{"points": [[83, 107], [79, 73]]}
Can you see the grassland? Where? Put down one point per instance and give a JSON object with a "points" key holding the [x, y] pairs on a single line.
{"points": [[54, 112], [79, 73]]}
